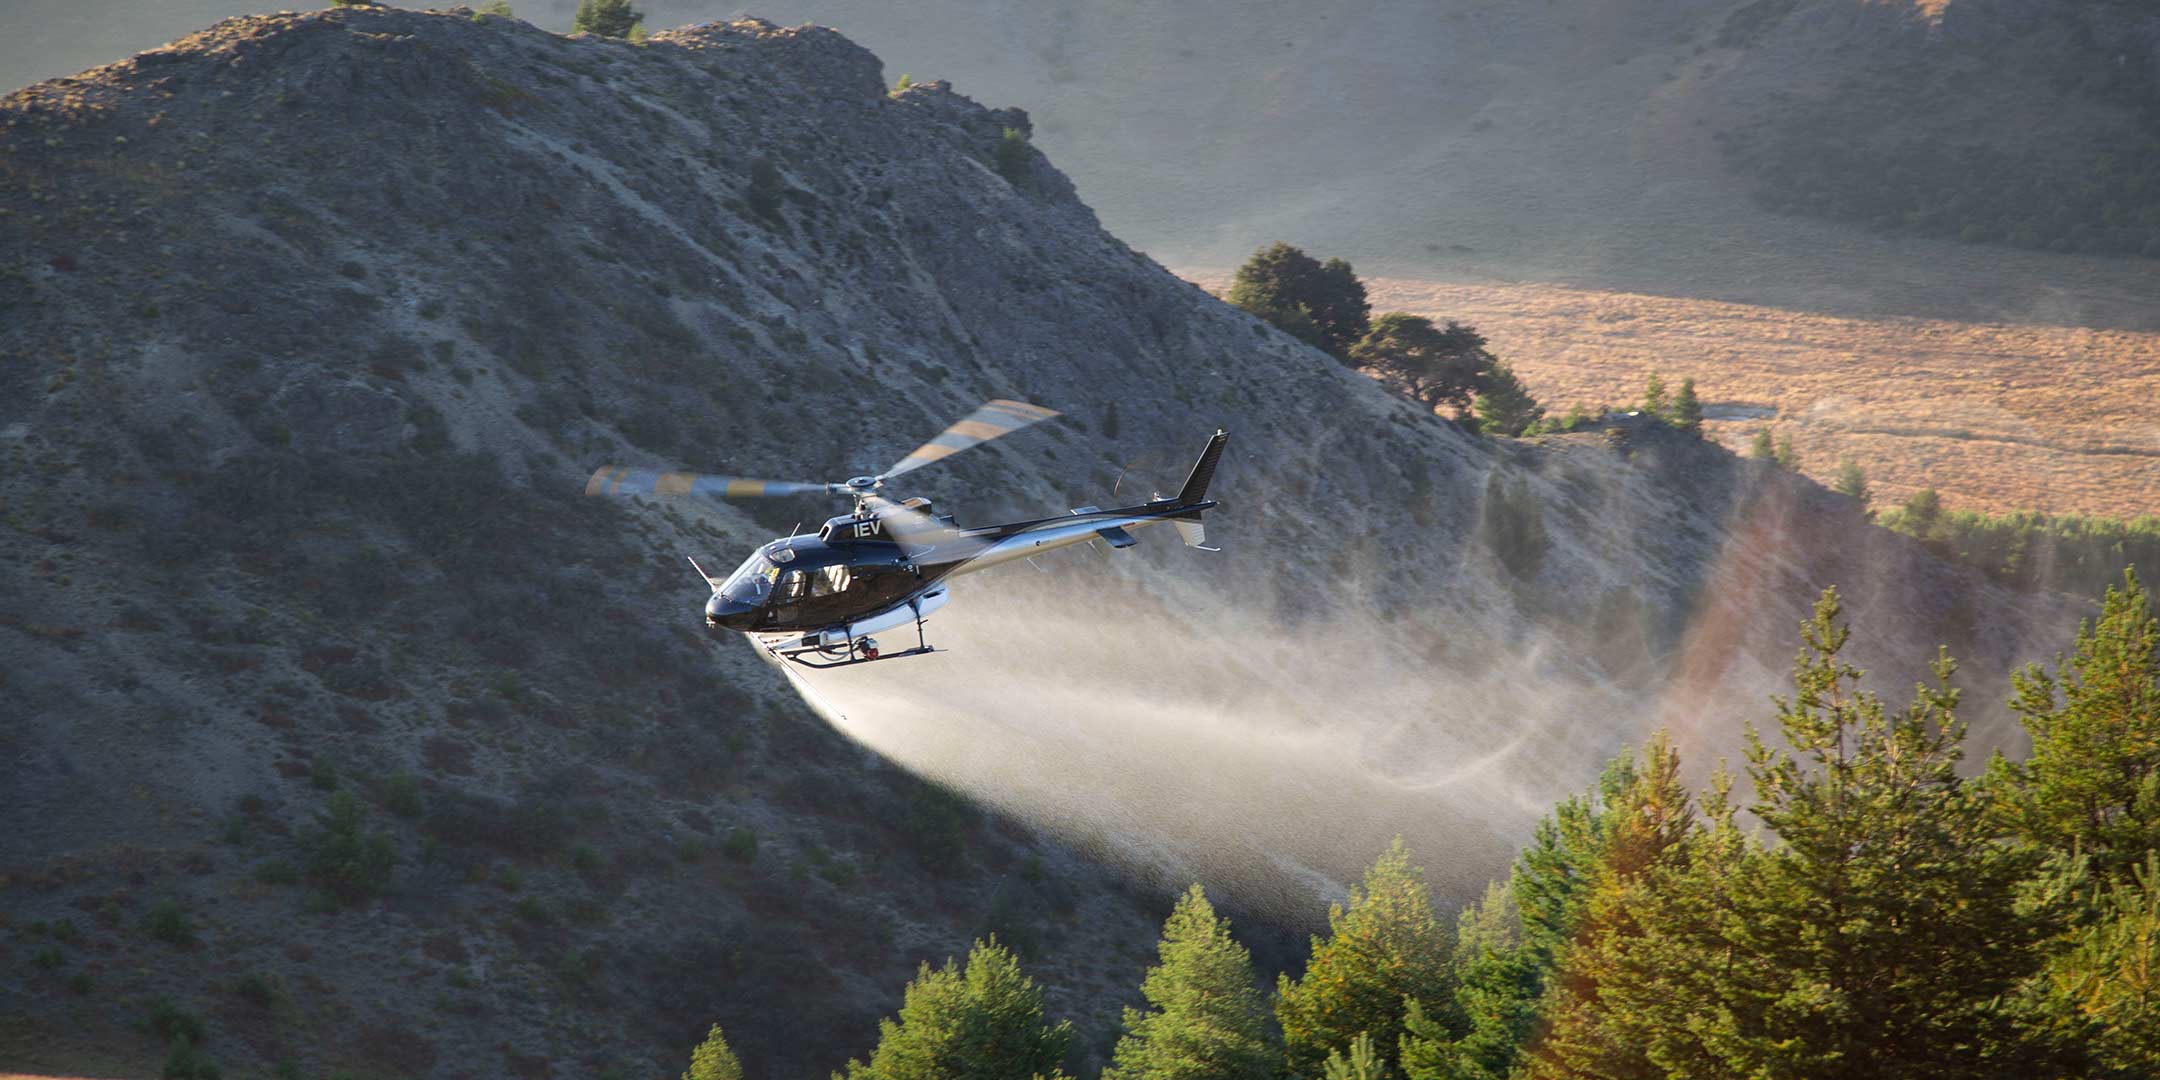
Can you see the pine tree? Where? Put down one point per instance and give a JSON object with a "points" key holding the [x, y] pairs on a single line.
{"points": [[1508, 947], [1384, 948], [1677, 988], [1322, 304], [1851, 482], [1891, 906], [1687, 409], [1649, 824], [1761, 448], [1363, 1063], [2093, 779], [1654, 402], [713, 1059], [2103, 990], [607, 18], [1206, 1019], [980, 1022], [1787, 458], [1496, 999], [1504, 407]]}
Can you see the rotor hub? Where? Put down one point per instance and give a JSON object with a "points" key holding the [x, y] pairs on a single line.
{"points": [[863, 483]]}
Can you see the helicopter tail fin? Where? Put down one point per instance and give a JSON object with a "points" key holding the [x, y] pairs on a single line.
{"points": [[1203, 472]]}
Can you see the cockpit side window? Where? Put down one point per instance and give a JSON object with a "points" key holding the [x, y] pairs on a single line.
{"points": [[791, 585], [827, 580]]}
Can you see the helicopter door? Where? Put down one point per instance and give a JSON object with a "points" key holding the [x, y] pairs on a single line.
{"points": [[787, 596]]}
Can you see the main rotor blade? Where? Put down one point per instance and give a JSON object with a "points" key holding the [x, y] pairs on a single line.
{"points": [[617, 480], [925, 538], [995, 418]]}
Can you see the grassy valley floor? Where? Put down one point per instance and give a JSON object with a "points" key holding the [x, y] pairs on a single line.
{"points": [[1995, 416]]}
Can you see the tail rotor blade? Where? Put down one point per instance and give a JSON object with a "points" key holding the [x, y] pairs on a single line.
{"points": [[619, 480], [995, 418]]}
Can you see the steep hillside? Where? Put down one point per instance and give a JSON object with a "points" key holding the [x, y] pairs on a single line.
{"points": [[1997, 122], [1575, 142], [332, 713], [1578, 142]]}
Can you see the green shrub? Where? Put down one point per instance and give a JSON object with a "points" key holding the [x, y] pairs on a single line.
{"points": [[767, 190], [47, 959], [937, 823], [584, 859], [349, 861], [81, 982], [185, 1062], [255, 989], [401, 795], [169, 1024], [169, 923], [741, 844], [322, 773], [1012, 159]]}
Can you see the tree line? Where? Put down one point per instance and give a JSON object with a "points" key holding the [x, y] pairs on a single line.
{"points": [[1867, 910], [1445, 365]]}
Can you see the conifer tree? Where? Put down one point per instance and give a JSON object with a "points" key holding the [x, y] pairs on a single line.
{"points": [[980, 1022], [1364, 1062], [1323, 304], [2103, 989], [1508, 947], [2093, 779], [1504, 407], [1650, 823], [1654, 401], [713, 1059], [1496, 998], [1851, 482], [1383, 949], [1761, 448], [1205, 1018], [1676, 988], [1687, 409], [607, 18], [1787, 457], [1890, 907]]}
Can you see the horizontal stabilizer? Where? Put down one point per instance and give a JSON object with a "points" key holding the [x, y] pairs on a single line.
{"points": [[1193, 532], [1117, 536]]}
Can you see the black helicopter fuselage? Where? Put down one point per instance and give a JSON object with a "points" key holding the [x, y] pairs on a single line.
{"points": [[852, 570]]}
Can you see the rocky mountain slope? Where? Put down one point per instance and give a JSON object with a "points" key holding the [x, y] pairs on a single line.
{"points": [[1579, 142], [334, 715]]}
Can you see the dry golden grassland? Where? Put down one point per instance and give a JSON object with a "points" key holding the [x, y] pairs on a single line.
{"points": [[1995, 417]]}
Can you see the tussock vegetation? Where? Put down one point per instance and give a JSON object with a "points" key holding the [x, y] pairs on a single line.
{"points": [[1996, 417]]}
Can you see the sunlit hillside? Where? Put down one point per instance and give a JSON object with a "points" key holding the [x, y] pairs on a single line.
{"points": [[1995, 416]]}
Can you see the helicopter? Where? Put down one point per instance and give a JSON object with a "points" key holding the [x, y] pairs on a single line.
{"points": [[817, 599]]}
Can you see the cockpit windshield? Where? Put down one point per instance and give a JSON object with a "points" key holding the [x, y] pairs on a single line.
{"points": [[751, 582]]}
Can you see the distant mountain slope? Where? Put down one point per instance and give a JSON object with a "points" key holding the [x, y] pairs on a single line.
{"points": [[314, 325], [1568, 141]]}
